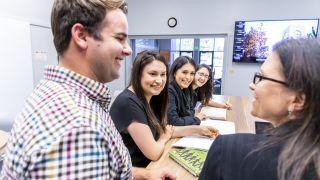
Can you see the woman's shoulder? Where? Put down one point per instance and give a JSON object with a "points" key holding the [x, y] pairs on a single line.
{"points": [[171, 87], [126, 94], [238, 142], [126, 98], [172, 90]]}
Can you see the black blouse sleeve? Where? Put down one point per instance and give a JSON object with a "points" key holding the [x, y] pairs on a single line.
{"points": [[125, 109], [173, 112], [213, 164]]}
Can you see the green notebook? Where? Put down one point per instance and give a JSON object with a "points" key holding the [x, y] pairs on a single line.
{"points": [[190, 159]]}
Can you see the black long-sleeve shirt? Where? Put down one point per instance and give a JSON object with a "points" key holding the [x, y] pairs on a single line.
{"points": [[180, 108]]}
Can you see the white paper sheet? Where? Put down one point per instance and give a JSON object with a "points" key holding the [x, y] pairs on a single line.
{"points": [[204, 143], [214, 113], [194, 142], [224, 127]]}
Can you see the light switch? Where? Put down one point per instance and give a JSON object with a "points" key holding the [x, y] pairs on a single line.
{"points": [[40, 56]]}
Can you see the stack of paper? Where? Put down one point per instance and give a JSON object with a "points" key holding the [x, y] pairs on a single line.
{"points": [[204, 143], [214, 113]]}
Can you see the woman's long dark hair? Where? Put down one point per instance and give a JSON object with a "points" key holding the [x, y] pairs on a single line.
{"points": [[301, 67], [205, 92], [156, 110]]}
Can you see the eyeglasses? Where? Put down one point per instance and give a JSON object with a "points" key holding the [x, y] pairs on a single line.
{"points": [[203, 75], [259, 77]]}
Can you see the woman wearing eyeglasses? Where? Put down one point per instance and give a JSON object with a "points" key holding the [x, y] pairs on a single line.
{"points": [[203, 88], [286, 93], [140, 111]]}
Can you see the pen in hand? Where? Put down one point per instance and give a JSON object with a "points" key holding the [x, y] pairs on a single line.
{"points": [[227, 104]]}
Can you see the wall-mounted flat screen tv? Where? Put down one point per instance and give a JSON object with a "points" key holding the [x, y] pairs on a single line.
{"points": [[253, 40]]}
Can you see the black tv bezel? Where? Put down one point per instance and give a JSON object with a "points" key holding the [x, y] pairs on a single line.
{"points": [[258, 62]]}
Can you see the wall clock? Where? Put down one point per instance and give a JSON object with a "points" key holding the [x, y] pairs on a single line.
{"points": [[172, 22]]}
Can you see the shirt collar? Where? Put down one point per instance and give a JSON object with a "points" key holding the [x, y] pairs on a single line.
{"points": [[93, 89]]}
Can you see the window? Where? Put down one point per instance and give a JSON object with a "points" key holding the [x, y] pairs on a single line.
{"points": [[145, 44], [174, 55], [187, 44], [186, 53], [219, 44], [211, 53], [181, 47], [206, 57], [206, 44], [175, 44]]}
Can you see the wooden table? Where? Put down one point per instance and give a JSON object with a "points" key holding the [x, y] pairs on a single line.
{"points": [[240, 115], [3, 141]]}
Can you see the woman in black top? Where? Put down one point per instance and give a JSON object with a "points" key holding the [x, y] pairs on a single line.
{"points": [[287, 93], [203, 88], [139, 112], [181, 109]]}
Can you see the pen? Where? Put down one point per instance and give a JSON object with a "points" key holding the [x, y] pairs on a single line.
{"points": [[228, 101]]}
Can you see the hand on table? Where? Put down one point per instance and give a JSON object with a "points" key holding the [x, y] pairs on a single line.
{"points": [[168, 134], [201, 116], [161, 173], [207, 131], [227, 106]]}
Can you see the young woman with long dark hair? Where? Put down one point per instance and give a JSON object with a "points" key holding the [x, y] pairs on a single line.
{"points": [[139, 112], [202, 86], [181, 103]]}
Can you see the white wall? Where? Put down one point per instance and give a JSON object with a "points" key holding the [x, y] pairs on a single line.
{"points": [[33, 11], [16, 75], [149, 17], [43, 51], [26, 48], [16, 67]]}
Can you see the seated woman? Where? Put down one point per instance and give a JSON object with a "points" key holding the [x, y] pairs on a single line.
{"points": [[139, 112], [287, 93], [181, 108], [203, 88]]}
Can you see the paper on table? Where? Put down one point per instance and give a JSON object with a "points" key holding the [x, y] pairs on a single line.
{"points": [[194, 142], [224, 127], [214, 113], [204, 143]]}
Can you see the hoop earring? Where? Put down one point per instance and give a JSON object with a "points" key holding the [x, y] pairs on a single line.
{"points": [[290, 112]]}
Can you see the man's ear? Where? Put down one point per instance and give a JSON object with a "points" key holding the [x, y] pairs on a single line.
{"points": [[79, 35]]}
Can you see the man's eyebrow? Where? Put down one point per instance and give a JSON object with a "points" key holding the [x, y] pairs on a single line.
{"points": [[122, 34]]}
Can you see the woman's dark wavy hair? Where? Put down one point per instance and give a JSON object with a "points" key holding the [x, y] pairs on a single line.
{"points": [[157, 108], [177, 64], [300, 59], [205, 92]]}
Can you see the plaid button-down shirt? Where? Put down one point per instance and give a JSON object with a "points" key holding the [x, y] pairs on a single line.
{"points": [[65, 132]]}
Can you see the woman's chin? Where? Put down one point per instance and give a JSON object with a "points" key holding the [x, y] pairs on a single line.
{"points": [[253, 113], [199, 84]]}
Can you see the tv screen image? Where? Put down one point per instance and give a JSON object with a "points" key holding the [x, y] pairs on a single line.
{"points": [[253, 40]]}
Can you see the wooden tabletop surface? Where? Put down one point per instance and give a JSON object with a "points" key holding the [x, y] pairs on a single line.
{"points": [[3, 141]]}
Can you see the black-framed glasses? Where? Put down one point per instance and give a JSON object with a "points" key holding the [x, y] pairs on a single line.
{"points": [[259, 77], [203, 75]]}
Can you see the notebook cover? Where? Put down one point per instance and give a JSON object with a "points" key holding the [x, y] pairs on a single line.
{"points": [[191, 159]]}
